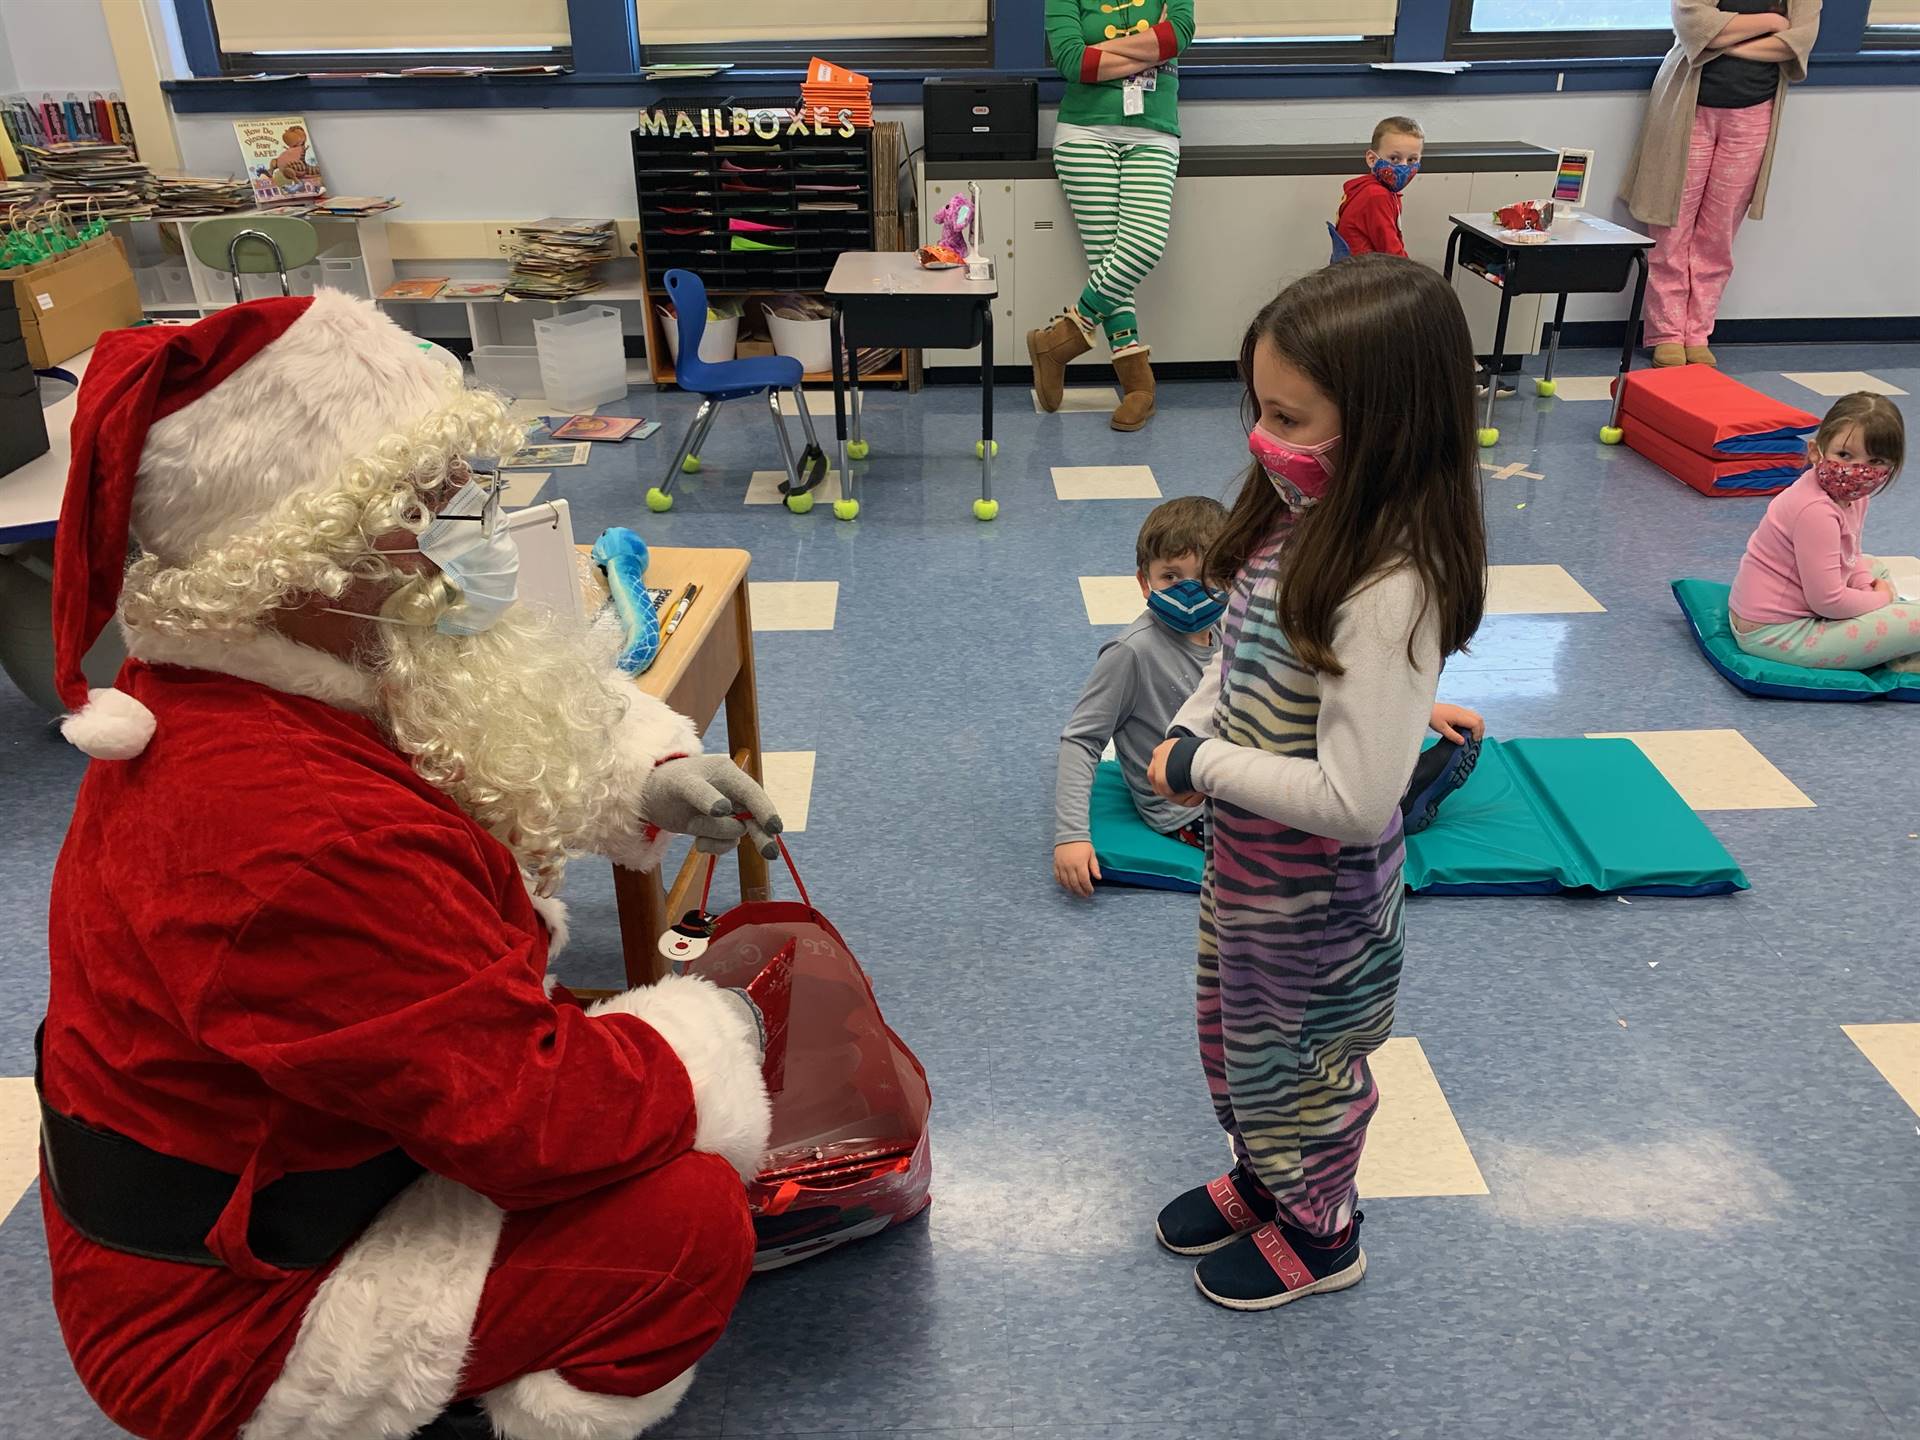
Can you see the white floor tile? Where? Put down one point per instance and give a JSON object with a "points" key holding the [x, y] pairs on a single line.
{"points": [[1414, 1145], [1716, 769], [1895, 1053], [1082, 400], [1111, 599], [522, 486], [788, 779], [793, 604], [1105, 482], [1537, 590], [19, 1141], [819, 405], [764, 488], [1583, 388], [1841, 382]]}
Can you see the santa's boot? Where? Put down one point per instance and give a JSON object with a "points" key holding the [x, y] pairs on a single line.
{"points": [[464, 1420], [1136, 388], [1052, 350]]}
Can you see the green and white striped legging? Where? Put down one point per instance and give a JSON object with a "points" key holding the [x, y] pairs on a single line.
{"points": [[1122, 200]]}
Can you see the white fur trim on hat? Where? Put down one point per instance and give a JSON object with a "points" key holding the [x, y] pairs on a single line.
{"points": [[543, 1406], [340, 379], [717, 1041], [383, 1341], [112, 725]]}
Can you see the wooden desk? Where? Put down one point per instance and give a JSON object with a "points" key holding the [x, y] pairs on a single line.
{"points": [[706, 663]]}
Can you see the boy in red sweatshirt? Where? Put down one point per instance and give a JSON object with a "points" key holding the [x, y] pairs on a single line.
{"points": [[1369, 217]]}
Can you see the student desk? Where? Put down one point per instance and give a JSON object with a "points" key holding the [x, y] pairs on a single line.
{"points": [[707, 663], [1588, 256], [884, 299]]}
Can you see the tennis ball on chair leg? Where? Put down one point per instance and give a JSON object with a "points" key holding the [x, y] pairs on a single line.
{"points": [[800, 504], [691, 464], [845, 509], [985, 509], [1611, 434], [980, 449], [1488, 436], [1545, 387], [858, 449], [659, 501]]}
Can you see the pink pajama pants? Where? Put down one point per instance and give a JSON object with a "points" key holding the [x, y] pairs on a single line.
{"points": [[1693, 257]]}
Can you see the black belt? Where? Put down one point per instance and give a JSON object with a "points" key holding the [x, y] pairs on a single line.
{"points": [[120, 1194]]}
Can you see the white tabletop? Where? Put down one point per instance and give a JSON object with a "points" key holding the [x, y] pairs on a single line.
{"points": [[30, 496], [868, 273], [1585, 230]]}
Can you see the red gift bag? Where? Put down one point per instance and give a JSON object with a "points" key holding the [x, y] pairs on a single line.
{"points": [[849, 1154]]}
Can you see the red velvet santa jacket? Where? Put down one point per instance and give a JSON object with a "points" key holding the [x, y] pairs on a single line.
{"points": [[275, 948], [1369, 218]]}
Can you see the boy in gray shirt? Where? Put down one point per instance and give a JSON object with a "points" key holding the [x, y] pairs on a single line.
{"points": [[1140, 680]]}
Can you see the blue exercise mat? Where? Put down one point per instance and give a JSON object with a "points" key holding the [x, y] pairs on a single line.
{"points": [[1705, 604]]}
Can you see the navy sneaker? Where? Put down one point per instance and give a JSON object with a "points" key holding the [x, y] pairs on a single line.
{"points": [[1278, 1264], [1214, 1214], [1441, 769]]}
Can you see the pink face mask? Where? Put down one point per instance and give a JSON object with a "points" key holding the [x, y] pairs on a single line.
{"points": [[1847, 483], [1301, 473]]}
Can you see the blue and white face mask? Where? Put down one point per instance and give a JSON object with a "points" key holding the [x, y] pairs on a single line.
{"points": [[1187, 606], [475, 553], [1395, 175]]}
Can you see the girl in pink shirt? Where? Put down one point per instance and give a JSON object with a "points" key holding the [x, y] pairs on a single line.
{"points": [[1805, 593]]}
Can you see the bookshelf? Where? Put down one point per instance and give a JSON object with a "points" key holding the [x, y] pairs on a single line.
{"points": [[700, 194]]}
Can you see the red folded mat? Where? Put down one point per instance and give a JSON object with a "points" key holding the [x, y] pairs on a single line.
{"points": [[1747, 475], [1713, 414]]}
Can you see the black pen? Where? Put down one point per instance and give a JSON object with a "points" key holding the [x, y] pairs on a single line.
{"points": [[680, 610]]}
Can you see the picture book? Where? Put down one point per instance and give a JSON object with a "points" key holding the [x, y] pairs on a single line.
{"points": [[532, 457], [422, 287], [282, 165], [597, 427], [474, 289]]}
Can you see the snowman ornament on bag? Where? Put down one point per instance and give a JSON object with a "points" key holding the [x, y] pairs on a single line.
{"points": [[686, 942]]}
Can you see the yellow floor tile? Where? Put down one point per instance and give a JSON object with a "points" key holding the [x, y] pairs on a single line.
{"points": [[1895, 1053], [1414, 1145], [1105, 482], [788, 780], [1841, 382], [764, 488], [1111, 599], [1716, 769], [794, 604], [1082, 400], [819, 405], [522, 486], [1583, 387], [1537, 590], [19, 1141]]}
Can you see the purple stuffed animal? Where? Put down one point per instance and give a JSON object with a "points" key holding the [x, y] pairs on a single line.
{"points": [[953, 219]]}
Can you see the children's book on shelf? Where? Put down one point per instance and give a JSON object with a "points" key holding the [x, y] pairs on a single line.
{"points": [[282, 165], [474, 289], [421, 287]]}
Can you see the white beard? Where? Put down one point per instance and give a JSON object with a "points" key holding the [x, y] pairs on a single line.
{"points": [[513, 724]]}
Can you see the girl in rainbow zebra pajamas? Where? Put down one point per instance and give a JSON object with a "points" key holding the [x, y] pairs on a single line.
{"points": [[1357, 560]]}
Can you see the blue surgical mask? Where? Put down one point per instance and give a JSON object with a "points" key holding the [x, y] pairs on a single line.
{"points": [[1395, 175], [1187, 606], [476, 555]]}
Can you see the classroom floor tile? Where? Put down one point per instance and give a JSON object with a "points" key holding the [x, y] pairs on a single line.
{"points": [[1716, 769], [1841, 382], [1582, 388], [1111, 599], [1537, 590], [1082, 400], [764, 488], [1414, 1145], [19, 1141], [819, 405], [1895, 1053], [1105, 482], [794, 604], [787, 776], [522, 486]]}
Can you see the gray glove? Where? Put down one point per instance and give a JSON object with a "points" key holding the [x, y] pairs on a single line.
{"points": [[700, 795]]}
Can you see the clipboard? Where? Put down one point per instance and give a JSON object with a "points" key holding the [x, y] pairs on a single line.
{"points": [[549, 563]]}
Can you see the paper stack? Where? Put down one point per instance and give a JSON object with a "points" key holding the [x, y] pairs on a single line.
{"points": [[553, 258], [354, 206], [178, 196], [829, 91], [94, 179]]}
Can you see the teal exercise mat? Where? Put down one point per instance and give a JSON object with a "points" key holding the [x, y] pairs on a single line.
{"points": [[1705, 603], [1541, 816], [1130, 851]]}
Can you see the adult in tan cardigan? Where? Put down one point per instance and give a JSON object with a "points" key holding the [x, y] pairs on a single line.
{"points": [[1705, 152]]}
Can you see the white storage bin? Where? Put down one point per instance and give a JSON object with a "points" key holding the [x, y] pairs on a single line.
{"points": [[717, 343], [176, 284], [512, 369], [153, 290], [808, 341], [583, 357], [343, 269]]}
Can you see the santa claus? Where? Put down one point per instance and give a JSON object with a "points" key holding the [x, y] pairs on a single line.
{"points": [[325, 1152]]}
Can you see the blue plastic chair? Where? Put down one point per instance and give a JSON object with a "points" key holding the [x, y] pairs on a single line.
{"points": [[717, 382], [1341, 250]]}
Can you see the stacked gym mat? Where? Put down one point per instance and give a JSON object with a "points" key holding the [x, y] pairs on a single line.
{"points": [[1709, 431]]}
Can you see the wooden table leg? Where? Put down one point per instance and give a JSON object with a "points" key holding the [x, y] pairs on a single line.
{"points": [[743, 733], [642, 906]]}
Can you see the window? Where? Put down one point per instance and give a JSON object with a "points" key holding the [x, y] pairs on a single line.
{"points": [[303, 35], [1893, 25], [917, 34], [1238, 32], [1558, 29]]}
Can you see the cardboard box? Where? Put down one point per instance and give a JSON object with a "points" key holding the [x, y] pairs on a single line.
{"points": [[66, 304]]}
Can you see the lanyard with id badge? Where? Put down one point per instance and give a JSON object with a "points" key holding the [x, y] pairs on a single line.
{"points": [[1135, 88]]}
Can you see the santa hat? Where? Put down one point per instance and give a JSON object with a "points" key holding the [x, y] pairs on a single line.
{"points": [[183, 436]]}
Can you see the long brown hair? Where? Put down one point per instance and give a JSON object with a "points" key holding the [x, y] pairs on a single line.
{"points": [[1883, 432], [1385, 340]]}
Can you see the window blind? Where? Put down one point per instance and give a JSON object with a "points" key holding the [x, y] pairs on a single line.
{"points": [[1894, 12], [390, 24], [721, 22], [1292, 19]]}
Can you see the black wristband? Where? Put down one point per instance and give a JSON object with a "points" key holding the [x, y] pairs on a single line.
{"points": [[1180, 763]]}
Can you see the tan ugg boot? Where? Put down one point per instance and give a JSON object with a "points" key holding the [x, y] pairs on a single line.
{"points": [[1669, 355], [1700, 355], [1136, 389], [1051, 350]]}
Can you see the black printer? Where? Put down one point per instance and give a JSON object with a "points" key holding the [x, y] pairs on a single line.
{"points": [[981, 119]]}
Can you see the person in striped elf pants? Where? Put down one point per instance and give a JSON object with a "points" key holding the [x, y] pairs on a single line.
{"points": [[1117, 153], [1357, 558]]}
